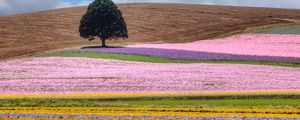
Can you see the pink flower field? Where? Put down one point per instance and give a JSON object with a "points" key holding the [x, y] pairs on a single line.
{"points": [[58, 75], [280, 45]]}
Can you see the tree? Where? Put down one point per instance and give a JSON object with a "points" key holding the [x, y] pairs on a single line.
{"points": [[103, 20]]}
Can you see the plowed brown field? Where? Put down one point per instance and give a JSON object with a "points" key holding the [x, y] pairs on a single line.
{"points": [[55, 29]]}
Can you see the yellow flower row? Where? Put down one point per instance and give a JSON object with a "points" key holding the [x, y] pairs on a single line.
{"points": [[84, 119], [20, 96], [148, 111]]}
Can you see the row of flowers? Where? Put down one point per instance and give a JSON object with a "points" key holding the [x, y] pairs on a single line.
{"points": [[274, 48], [166, 94], [148, 111], [249, 44], [56, 75], [251, 47], [188, 55], [87, 117], [161, 94]]}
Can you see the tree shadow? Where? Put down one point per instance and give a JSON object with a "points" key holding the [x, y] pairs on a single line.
{"points": [[91, 47]]}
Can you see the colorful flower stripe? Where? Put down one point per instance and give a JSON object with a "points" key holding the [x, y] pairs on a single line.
{"points": [[85, 117], [133, 118], [116, 118], [56, 75], [190, 55], [147, 111], [251, 44], [166, 94]]}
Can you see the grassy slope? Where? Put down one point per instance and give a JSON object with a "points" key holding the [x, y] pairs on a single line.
{"points": [[141, 58]]}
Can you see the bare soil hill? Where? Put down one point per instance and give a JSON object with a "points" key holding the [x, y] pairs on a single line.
{"points": [[55, 29]]}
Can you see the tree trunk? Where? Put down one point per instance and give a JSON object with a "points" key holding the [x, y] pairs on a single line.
{"points": [[103, 43]]}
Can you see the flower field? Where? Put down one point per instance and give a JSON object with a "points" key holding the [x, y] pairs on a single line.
{"points": [[280, 45], [159, 81], [251, 47], [55, 75], [189, 55], [148, 112], [149, 109]]}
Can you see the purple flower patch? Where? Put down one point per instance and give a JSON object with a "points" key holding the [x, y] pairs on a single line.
{"points": [[191, 55]]}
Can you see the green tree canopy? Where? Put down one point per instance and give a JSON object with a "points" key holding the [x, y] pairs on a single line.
{"points": [[103, 20]]}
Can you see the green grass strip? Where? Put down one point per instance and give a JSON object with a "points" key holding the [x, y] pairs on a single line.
{"points": [[215, 103], [294, 29], [257, 103], [142, 58]]}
